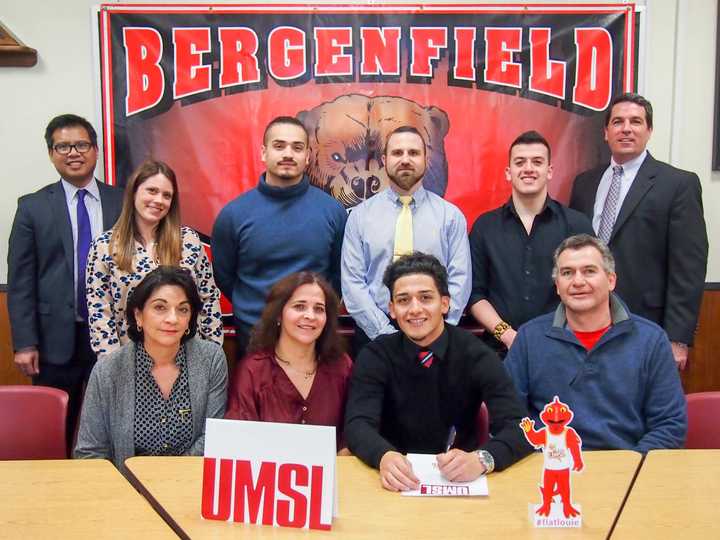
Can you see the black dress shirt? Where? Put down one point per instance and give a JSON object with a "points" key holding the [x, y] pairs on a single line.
{"points": [[512, 269], [395, 403], [163, 427]]}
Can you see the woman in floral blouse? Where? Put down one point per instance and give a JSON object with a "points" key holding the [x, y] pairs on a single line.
{"points": [[147, 234]]}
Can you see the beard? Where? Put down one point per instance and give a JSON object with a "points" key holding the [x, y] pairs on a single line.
{"points": [[405, 179]]}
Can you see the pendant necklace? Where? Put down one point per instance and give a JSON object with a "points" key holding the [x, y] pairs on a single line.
{"points": [[306, 374]]}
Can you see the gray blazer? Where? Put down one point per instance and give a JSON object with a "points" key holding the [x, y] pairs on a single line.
{"points": [[108, 411]]}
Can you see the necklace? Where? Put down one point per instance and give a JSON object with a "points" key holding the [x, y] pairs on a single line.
{"points": [[283, 362]]}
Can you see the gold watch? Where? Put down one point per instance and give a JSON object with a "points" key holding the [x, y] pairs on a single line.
{"points": [[500, 329]]}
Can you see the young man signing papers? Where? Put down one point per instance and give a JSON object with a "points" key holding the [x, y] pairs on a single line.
{"points": [[411, 390]]}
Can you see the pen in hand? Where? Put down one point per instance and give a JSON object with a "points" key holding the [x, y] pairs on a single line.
{"points": [[451, 438], [442, 459]]}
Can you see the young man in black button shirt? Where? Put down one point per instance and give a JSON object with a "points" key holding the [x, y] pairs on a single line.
{"points": [[512, 246], [420, 389]]}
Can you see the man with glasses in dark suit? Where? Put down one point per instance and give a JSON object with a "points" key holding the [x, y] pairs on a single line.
{"points": [[49, 241]]}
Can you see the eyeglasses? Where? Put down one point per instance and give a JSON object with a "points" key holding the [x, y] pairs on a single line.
{"points": [[65, 148]]}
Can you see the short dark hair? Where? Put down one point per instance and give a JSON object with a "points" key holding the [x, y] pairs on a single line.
{"points": [[161, 276], [266, 333], [530, 137], [417, 263], [580, 241], [284, 120], [68, 120], [404, 129], [631, 97]]}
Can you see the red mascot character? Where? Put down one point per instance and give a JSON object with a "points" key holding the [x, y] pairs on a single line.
{"points": [[561, 448]]}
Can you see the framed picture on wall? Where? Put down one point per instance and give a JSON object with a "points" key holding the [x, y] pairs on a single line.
{"points": [[13, 52]]}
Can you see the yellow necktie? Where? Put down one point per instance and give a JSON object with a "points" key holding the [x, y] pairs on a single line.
{"points": [[404, 229]]}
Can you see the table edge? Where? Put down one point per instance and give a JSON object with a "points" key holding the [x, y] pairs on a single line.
{"points": [[164, 514], [627, 495]]}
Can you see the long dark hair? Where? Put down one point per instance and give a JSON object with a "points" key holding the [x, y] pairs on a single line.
{"points": [[266, 333]]}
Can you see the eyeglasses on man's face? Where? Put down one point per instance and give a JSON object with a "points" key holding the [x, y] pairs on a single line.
{"points": [[66, 148]]}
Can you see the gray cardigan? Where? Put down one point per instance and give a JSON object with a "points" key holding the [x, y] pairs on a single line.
{"points": [[108, 411]]}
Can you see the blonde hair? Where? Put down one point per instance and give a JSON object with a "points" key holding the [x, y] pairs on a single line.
{"points": [[168, 245]]}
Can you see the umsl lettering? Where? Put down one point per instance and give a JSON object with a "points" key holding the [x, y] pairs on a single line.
{"points": [[431, 489], [260, 497]]}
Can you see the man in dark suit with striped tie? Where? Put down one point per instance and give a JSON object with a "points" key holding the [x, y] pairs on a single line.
{"points": [[47, 252], [420, 389], [651, 216]]}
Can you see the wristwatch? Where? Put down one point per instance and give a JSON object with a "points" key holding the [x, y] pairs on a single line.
{"points": [[500, 329], [486, 459]]}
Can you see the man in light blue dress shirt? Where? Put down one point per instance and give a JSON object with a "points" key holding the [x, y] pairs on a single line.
{"points": [[438, 228]]}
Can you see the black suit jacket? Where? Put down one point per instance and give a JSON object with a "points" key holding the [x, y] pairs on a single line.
{"points": [[41, 291], [659, 242]]}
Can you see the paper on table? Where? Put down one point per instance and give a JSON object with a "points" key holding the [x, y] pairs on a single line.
{"points": [[432, 483]]}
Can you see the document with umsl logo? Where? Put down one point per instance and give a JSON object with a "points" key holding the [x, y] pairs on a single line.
{"points": [[432, 483]]}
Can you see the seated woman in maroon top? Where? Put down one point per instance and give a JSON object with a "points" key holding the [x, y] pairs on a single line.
{"points": [[296, 370]]}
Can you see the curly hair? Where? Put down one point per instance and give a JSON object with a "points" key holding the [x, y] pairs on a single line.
{"points": [[417, 263]]}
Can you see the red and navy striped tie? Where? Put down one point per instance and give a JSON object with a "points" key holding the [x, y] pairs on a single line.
{"points": [[426, 358]]}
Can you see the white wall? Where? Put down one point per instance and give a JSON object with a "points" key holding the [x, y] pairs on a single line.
{"points": [[678, 77], [680, 82], [62, 81]]}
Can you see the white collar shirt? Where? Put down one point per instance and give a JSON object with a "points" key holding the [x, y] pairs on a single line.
{"points": [[630, 170]]}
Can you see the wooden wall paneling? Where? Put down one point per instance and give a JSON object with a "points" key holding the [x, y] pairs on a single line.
{"points": [[9, 374], [703, 371]]}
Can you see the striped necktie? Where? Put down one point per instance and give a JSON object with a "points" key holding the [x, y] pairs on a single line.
{"points": [[609, 212], [425, 358]]}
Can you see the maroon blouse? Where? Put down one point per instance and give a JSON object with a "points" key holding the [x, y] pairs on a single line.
{"points": [[261, 391]]}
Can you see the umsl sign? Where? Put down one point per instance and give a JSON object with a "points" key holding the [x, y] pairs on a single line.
{"points": [[269, 473]]}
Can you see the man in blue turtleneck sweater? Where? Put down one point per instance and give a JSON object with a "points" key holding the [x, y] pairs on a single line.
{"points": [[282, 226]]}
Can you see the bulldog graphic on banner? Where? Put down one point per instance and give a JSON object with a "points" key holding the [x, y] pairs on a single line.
{"points": [[347, 141]]}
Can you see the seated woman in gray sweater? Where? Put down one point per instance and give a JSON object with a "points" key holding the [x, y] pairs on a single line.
{"points": [[152, 396]]}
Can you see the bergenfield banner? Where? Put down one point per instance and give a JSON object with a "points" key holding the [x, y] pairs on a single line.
{"points": [[195, 85]]}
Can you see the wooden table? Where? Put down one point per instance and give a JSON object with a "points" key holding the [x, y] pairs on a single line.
{"points": [[368, 511], [676, 495], [73, 499]]}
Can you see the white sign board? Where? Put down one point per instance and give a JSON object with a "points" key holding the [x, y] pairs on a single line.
{"points": [[269, 473]]}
